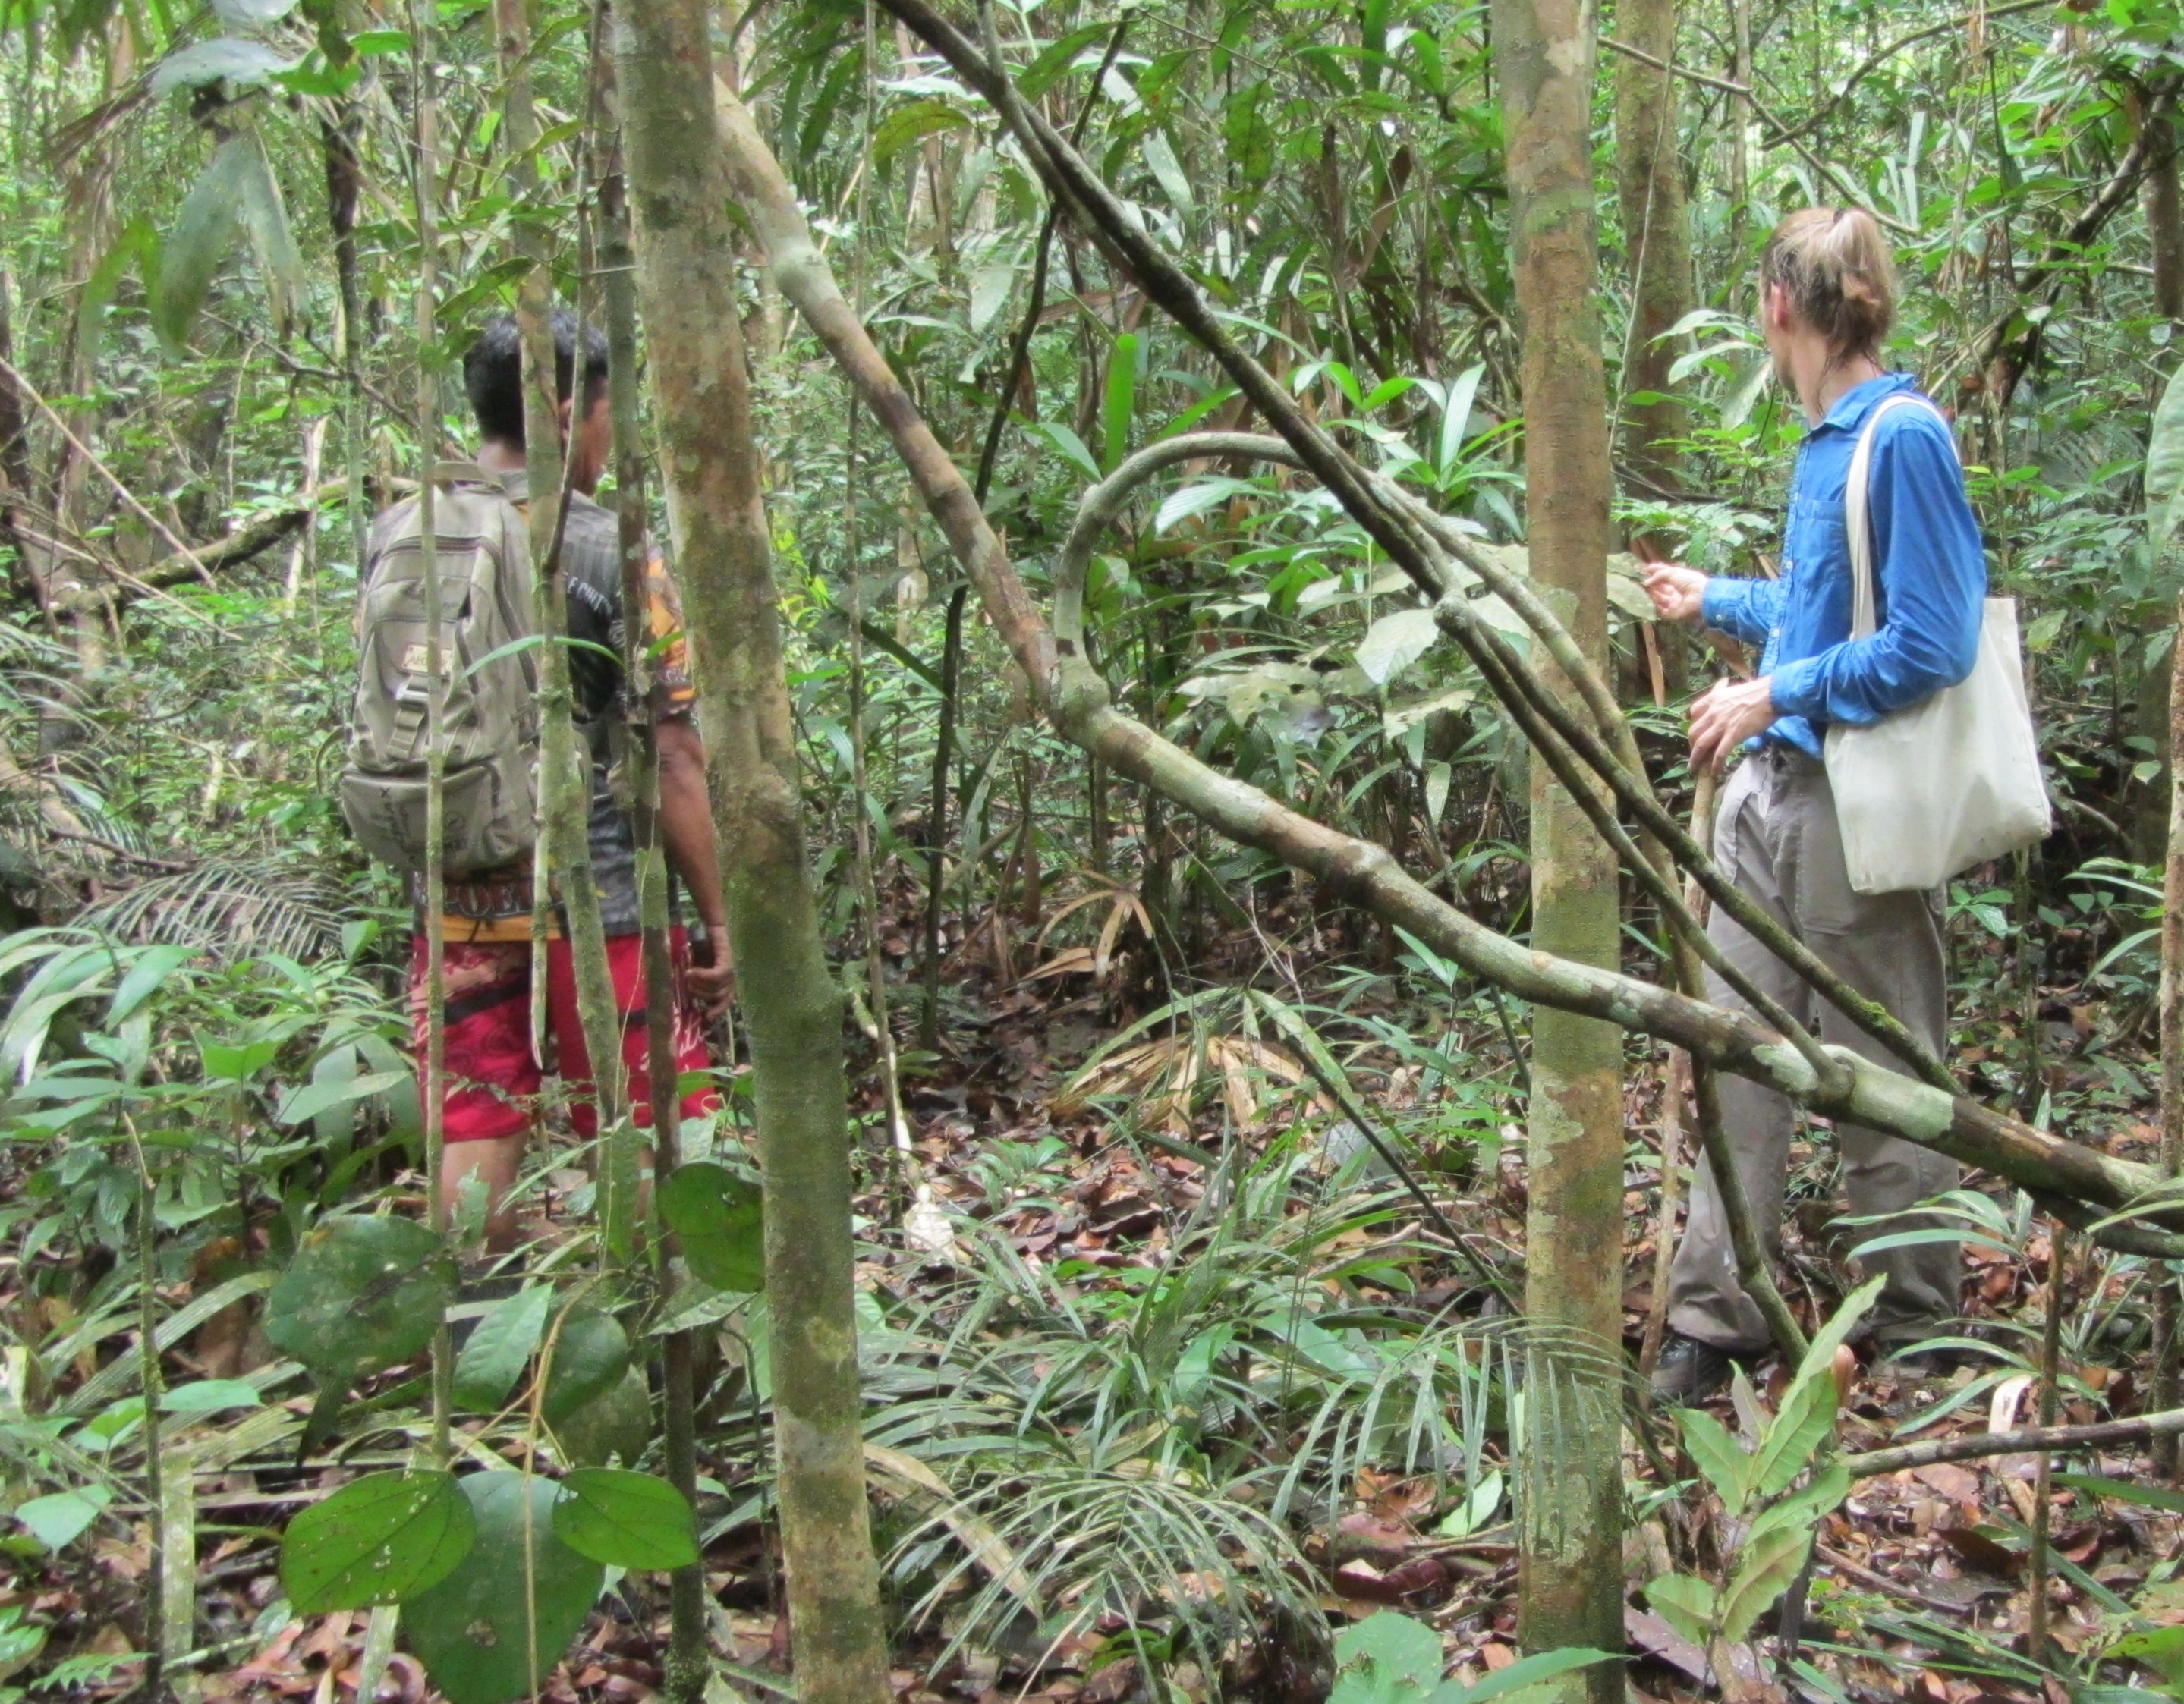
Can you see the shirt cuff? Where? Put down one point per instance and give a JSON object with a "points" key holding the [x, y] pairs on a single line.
{"points": [[1723, 601], [1795, 687]]}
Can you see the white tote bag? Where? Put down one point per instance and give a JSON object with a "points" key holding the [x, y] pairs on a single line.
{"points": [[1953, 780]]}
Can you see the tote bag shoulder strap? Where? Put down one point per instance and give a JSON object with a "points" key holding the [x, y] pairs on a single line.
{"points": [[1856, 524]]}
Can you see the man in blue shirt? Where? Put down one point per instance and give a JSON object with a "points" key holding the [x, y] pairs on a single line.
{"points": [[1827, 298]]}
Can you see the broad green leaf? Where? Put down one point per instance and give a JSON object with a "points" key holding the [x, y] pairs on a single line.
{"points": [[378, 1540], [362, 1293], [1802, 1512], [61, 1516], [1455, 418], [229, 59], [1719, 1456], [251, 14], [308, 1100], [147, 976], [210, 1395], [625, 1520], [2164, 466], [474, 1630], [1055, 59], [498, 1347], [1687, 1603], [1807, 1417], [1072, 446], [1121, 399], [1528, 1671], [990, 286], [720, 1219], [590, 1352], [236, 1063], [2160, 1648], [137, 242], [618, 1422], [1765, 1566], [1386, 1658], [1168, 172], [1395, 642], [907, 126], [265, 218], [1186, 501]]}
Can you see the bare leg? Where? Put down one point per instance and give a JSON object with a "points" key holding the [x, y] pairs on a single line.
{"points": [[498, 1160]]}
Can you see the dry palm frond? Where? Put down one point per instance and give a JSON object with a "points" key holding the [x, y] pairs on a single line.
{"points": [[228, 909], [1164, 1073], [1123, 906]]}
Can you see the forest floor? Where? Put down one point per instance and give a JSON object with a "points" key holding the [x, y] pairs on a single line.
{"points": [[1920, 1588]]}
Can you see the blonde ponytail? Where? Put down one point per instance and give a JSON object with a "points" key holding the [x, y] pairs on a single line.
{"points": [[1833, 265]]}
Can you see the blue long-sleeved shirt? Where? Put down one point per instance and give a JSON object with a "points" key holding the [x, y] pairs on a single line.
{"points": [[1928, 562]]}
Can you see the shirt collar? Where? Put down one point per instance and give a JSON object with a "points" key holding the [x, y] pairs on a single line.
{"points": [[1852, 406]]}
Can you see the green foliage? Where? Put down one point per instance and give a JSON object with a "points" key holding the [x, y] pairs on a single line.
{"points": [[625, 1519], [499, 1345], [588, 1354], [363, 1294], [1389, 1658], [378, 1540], [719, 1219], [491, 1631], [1775, 1539], [237, 197]]}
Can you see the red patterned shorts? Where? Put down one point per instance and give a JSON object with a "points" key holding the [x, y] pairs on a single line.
{"points": [[493, 1077]]}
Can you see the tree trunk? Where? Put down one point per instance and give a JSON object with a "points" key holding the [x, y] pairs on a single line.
{"points": [[564, 759], [679, 191], [1573, 1569], [1649, 181], [2164, 216]]}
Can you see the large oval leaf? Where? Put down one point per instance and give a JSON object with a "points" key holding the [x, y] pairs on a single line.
{"points": [[500, 1344], [590, 1354], [626, 1519], [362, 1293], [474, 1631], [720, 1219], [617, 1423], [384, 1538], [2164, 467]]}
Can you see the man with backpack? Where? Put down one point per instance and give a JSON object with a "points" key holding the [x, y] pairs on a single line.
{"points": [[489, 790]]}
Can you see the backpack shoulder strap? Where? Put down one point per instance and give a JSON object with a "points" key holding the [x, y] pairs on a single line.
{"points": [[1857, 521]]}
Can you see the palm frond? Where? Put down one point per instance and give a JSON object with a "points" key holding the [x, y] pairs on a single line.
{"points": [[227, 909]]}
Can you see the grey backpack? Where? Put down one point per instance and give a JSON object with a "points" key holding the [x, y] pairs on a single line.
{"points": [[491, 713]]}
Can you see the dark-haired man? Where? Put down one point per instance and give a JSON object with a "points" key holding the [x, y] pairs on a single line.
{"points": [[494, 1074]]}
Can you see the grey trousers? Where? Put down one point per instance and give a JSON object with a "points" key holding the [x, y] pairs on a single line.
{"points": [[1776, 836]]}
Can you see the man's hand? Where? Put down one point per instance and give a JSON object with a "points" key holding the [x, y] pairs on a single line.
{"points": [[1678, 593], [1727, 714], [710, 986]]}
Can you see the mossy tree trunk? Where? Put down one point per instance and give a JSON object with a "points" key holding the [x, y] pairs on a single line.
{"points": [[1649, 182], [565, 764], [1573, 1577], [679, 194]]}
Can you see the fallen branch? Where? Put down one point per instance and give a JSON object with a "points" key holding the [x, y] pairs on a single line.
{"points": [[254, 537], [1972, 1447]]}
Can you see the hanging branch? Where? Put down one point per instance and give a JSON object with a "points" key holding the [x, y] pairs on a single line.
{"points": [[1079, 704]]}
